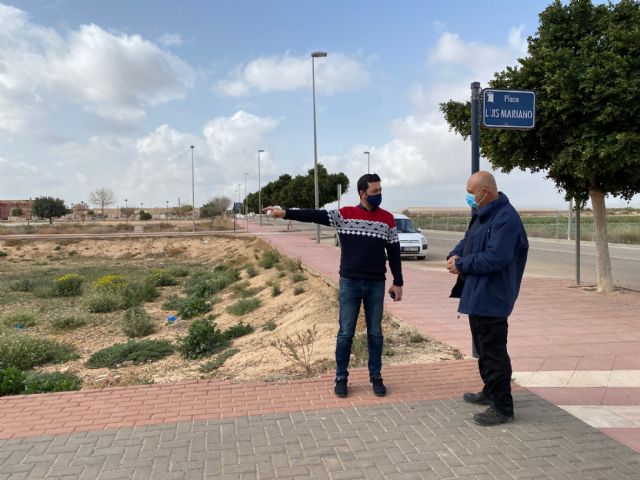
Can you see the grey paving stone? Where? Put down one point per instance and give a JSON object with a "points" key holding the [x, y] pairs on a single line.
{"points": [[425, 440]]}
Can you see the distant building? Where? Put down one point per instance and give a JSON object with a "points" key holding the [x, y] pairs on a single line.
{"points": [[7, 205]]}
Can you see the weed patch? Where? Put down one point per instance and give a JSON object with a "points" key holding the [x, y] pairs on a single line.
{"points": [[133, 351], [243, 306], [25, 351], [204, 338], [219, 360], [137, 323]]}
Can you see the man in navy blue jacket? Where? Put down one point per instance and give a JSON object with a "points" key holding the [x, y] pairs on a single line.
{"points": [[490, 262], [366, 232]]}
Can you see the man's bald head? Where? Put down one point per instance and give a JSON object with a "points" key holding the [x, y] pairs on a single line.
{"points": [[483, 186]]}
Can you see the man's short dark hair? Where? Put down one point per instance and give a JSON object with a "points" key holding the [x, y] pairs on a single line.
{"points": [[365, 180]]}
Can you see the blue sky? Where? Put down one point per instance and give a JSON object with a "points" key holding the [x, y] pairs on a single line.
{"points": [[112, 94]]}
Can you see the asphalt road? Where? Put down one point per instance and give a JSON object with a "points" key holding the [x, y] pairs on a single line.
{"points": [[552, 258], [547, 258]]}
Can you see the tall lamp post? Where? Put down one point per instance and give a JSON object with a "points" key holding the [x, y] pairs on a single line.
{"points": [[315, 55], [126, 213], [368, 161], [167, 212], [259, 188], [193, 194], [246, 216]]}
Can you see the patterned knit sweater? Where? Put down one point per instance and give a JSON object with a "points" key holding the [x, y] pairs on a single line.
{"points": [[364, 236]]}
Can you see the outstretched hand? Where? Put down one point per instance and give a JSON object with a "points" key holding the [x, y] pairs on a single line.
{"points": [[275, 211]]}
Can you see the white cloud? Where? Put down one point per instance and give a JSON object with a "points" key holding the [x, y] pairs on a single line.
{"points": [[114, 76], [235, 140], [337, 72], [170, 39]]}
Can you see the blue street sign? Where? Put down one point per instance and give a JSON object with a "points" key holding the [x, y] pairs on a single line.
{"points": [[508, 108]]}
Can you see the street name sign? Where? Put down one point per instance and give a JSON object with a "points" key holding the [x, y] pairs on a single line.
{"points": [[508, 108]]}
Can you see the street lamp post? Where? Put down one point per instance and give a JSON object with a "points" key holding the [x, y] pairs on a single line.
{"points": [[246, 216], [193, 195], [259, 188], [368, 161], [126, 213], [167, 214], [315, 55]]}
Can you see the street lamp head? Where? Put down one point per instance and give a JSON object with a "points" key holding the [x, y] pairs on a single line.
{"points": [[318, 54], [260, 151], [192, 147], [366, 153]]}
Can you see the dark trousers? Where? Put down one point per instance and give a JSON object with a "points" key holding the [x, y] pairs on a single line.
{"points": [[490, 339]]}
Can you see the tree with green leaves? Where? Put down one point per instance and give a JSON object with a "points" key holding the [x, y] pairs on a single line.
{"points": [[299, 191], [16, 212], [583, 63], [215, 207], [49, 207]]}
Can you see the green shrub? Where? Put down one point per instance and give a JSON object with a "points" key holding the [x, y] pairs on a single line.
{"points": [[68, 323], [25, 318], [25, 351], [23, 285], [269, 258], [269, 325], [173, 304], [218, 360], [103, 301], [135, 351], [297, 277], [242, 290], [298, 291], [43, 382], [138, 293], [179, 272], [3, 253], [193, 306], [204, 284], [243, 306], [204, 338], [161, 278], [137, 323], [251, 271], [69, 285], [11, 381], [275, 290], [238, 330]]}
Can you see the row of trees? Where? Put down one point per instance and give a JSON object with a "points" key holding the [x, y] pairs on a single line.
{"points": [[286, 191], [583, 63]]}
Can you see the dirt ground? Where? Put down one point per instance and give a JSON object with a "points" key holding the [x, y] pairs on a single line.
{"points": [[258, 359]]}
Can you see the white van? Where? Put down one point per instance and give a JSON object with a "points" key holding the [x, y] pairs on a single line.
{"points": [[412, 242]]}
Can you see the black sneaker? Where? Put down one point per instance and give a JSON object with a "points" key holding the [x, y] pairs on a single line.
{"points": [[379, 390], [477, 398], [492, 417], [340, 388]]}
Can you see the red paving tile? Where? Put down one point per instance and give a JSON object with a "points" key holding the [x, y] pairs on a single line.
{"points": [[571, 395], [628, 436], [622, 396], [103, 409]]}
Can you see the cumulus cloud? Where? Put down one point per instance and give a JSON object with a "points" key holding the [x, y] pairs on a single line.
{"points": [[114, 76], [337, 72], [235, 140]]}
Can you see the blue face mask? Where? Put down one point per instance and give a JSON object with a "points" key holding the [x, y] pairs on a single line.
{"points": [[374, 200], [471, 200]]}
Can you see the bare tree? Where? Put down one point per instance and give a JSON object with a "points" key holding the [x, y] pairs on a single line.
{"points": [[102, 197]]}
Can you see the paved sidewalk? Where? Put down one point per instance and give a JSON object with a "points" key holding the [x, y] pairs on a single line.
{"points": [[300, 430], [572, 346]]}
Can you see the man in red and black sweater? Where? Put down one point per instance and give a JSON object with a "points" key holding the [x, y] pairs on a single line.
{"points": [[366, 233]]}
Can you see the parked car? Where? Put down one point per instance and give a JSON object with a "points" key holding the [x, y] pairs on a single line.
{"points": [[412, 242]]}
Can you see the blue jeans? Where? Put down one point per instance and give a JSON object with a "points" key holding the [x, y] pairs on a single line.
{"points": [[352, 294]]}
